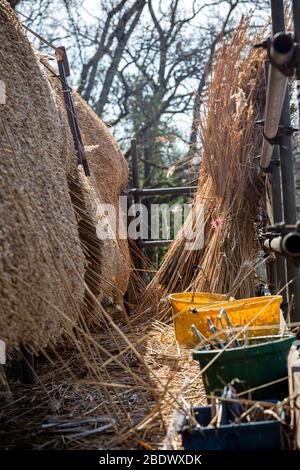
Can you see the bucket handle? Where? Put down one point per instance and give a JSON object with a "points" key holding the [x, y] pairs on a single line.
{"points": [[202, 309]]}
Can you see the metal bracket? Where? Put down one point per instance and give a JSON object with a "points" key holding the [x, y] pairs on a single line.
{"points": [[287, 69], [282, 228], [273, 163], [282, 232], [64, 59], [282, 131]]}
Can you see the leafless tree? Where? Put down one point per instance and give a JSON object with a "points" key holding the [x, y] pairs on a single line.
{"points": [[104, 38], [141, 64]]}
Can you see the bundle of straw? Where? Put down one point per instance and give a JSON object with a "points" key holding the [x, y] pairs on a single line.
{"points": [[229, 184], [51, 254], [41, 260]]}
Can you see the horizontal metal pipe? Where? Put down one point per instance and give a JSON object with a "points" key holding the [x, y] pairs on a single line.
{"points": [[157, 191], [153, 243], [288, 245], [281, 52]]}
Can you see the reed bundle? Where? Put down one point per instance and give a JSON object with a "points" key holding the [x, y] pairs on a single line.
{"points": [[49, 243], [92, 383], [229, 184], [109, 175], [39, 243]]}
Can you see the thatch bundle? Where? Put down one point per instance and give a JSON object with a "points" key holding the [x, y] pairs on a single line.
{"points": [[44, 263], [41, 261], [229, 183], [110, 176]]}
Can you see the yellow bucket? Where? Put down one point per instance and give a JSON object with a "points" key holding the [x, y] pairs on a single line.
{"points": [[240, 312]]}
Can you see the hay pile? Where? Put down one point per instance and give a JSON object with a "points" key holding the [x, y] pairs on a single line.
{"points": [[110, 176], [90, 196], [96, 377], [41, 261], [51, 259], [229, 184]]}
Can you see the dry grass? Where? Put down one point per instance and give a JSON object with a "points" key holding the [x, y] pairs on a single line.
{"points": [[117, 389], [229, 184]]}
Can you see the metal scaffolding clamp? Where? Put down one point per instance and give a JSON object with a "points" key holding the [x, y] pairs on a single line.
{"points": [[282, 131], [284, 239], [286, 69]]}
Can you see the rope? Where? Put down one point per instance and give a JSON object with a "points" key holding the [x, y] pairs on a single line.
{"points": [[41, 38], [59, 54], [56, 49], [49, 44]]}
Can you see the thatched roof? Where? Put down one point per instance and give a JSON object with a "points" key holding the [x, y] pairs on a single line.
{"points": [[43, 262], [109, 176]]}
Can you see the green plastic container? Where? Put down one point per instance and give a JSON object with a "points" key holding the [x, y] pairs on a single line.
{"points": [[254, 365]]}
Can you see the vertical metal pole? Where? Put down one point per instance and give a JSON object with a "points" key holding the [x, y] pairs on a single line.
{"points": [[277, 280], [277, 16], [137, 197], [296, 16], [280, 263], [272, 276], [134, 161], [287, 170], [147, 201]]}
